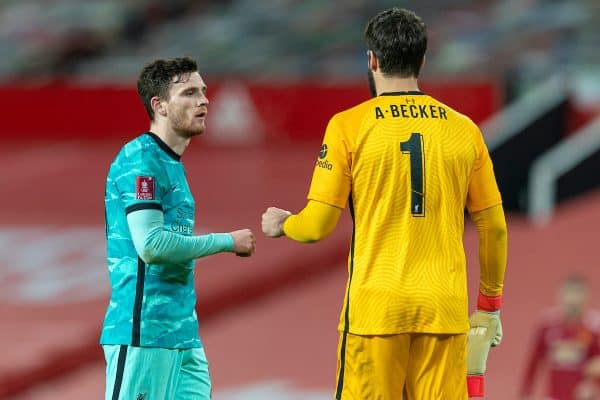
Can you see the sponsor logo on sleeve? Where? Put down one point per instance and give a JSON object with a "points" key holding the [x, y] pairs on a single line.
{"points": [[321, 162], [325, 165], [323, 151], [144, 188]]}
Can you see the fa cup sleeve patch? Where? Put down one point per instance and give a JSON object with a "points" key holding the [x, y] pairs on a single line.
{"points": [[144, 188]]}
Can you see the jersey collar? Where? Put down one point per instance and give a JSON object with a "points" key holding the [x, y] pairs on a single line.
{"points": [[409, 92], [164, 146]]}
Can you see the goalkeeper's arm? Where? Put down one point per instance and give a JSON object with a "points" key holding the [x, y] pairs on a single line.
{"points": [[315, 222], [486, 328]]}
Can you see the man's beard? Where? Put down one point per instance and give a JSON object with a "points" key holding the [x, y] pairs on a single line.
{"points": [[184, 128], [372, 87], [189, 133]]}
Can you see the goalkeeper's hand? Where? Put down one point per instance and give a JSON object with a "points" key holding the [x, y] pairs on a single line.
{"points": [[485, 332], [272, 221]]}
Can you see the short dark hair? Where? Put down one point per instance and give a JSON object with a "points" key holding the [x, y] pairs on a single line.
{"points": [[398, 37], [156, 78]]}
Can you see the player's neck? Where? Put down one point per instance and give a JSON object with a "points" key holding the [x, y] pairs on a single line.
{"points": [[393, 84], [176, 142]]}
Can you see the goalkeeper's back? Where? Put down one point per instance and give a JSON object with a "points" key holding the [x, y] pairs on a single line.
{"points": [[411, 165]]}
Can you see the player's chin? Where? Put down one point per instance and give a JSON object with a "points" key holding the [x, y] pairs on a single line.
{"points": [[195, 130]]}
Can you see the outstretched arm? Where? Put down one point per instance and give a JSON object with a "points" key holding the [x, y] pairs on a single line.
{"points": [[154, 244], [315, 222], [328, 193]]}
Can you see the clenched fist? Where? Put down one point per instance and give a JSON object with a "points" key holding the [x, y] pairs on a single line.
{"points": [[244, 243], [272, 221]]}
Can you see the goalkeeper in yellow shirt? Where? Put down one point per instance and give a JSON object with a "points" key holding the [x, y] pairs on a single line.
{"points": [[408, 166]]}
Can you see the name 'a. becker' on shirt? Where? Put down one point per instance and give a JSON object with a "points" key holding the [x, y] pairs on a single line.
{"points": [[411, 111]]}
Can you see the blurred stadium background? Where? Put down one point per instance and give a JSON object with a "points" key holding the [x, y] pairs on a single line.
{"points": [[528, 71]]}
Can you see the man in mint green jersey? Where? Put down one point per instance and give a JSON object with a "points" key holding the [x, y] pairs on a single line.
{"points": [[150, 333]]}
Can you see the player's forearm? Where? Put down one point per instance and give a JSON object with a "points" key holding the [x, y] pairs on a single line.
{"points": [[155, 245], [162, 246], [315, 222], [491, 227]]}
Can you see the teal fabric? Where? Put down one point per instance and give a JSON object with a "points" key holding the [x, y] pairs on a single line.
{"points": [[151, 304], [146, 373], [155, 244]]}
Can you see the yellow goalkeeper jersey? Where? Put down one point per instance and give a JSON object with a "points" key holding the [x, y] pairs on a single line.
{"points": [[408, 165]]}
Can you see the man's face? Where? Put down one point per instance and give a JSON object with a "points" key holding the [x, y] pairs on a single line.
{"points": [[187, 105], [572, 297]]}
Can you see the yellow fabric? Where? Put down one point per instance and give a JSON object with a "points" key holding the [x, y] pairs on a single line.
{"points": [[315, 222], [416, 366], [483, 190], [491, 227], [407, 267]]}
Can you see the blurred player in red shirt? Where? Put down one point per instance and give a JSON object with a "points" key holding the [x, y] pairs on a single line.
{"points": [[589, 388], [567, 338]]}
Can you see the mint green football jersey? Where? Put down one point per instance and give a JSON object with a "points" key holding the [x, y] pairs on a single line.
{"points": [[151, 305]]}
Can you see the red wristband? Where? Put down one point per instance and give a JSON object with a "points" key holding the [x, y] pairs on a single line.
{"points": [[489, 303], [475, 385]]}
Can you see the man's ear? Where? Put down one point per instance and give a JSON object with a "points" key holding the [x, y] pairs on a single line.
{"points": [[159, 106], [373, 61]]}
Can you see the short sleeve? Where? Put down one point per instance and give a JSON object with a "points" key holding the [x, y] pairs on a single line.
{"points": [[141, 182], [483, 190], [332, 176]]}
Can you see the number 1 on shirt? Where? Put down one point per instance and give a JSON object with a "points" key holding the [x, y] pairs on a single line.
{"points": [[414, 147]]}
